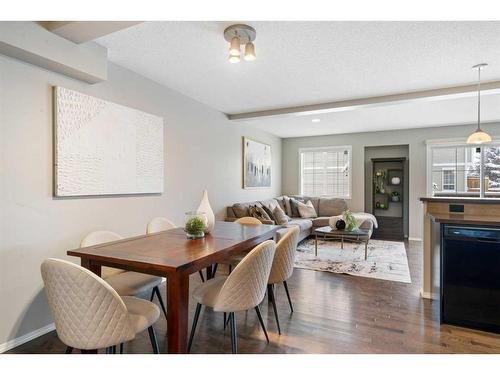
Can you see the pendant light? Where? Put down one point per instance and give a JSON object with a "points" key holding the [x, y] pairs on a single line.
{"points": [[250, 52], [479, 136]]}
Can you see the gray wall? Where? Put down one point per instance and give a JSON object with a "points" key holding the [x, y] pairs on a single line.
{"points": [[203, 150], [415, 138]]}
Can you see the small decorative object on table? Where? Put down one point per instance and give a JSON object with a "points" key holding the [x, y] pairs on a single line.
{"points": [[395, 196], [205, 207], [340, 224], [195, 224], [350, 221]]}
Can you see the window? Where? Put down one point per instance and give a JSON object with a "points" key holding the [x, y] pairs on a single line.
{"points": [[326, 171], [464, 170], [448, 180]]}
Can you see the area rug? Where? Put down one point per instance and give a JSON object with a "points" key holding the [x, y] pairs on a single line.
{"points": [[386, 259]]}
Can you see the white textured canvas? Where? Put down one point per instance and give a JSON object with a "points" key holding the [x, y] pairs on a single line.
{"points": [[103, 148]]}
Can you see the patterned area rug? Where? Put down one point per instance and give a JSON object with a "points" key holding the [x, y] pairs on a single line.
{"points": [[386, 259]]}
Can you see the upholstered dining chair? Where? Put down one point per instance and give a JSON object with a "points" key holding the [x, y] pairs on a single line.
{"points": [[89, 314], [248, 220], [282, 269], [243, 289], [159, 224], [235, 259], [126, 283]]}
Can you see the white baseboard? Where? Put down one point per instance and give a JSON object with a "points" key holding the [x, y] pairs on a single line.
{"points": [[414, 239], [27, 337]]}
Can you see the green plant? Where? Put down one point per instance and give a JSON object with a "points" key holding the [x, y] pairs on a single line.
{"points": [[395, 194], [350, 221], [194, 225]]}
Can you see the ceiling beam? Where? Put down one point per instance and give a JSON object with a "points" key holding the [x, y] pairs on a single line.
{"points": [[374, 101], [85, 31]]}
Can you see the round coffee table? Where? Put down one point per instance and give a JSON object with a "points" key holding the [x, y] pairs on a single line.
{"points": [[358, 235]]}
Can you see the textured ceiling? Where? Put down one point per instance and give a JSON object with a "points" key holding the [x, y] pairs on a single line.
{"points": [[302, 63]]}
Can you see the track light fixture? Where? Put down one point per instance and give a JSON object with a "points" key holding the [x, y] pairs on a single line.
{"points": [[238, 35]]}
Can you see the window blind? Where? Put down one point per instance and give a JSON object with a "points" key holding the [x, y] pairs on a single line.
{"points": [[326, 172]]}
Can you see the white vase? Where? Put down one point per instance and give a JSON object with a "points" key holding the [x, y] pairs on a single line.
{"points": [[205, 207]]}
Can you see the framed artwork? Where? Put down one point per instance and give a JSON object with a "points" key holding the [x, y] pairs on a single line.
{"points": [[103, 148], [256, 164]]}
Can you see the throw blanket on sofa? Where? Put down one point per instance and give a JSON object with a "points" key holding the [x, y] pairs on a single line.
{"points": [[360, 217]]}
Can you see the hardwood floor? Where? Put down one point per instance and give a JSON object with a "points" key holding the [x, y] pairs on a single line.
{"points": [[333, 314]]}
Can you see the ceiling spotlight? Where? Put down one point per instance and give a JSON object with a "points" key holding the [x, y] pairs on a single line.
{"points": [[316, 120], [238, 35], [233, 59], [234, 48], [250, 52]]}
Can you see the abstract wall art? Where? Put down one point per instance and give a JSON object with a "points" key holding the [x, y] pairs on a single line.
{"points": [[103, 148], [256, 164]]}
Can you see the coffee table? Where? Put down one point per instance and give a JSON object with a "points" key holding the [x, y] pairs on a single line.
{"points": [[358, 235]]}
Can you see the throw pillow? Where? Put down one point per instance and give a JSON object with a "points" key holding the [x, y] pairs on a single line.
{"points": [[269, 212], [306, 210], [259, 213], [288, 208], [280, 217], [294, 208]]}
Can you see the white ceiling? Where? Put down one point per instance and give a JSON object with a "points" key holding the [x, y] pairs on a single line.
{"points": [[301, 63]]}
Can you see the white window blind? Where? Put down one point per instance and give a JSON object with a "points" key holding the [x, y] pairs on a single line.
{"points": [[326, 171]]}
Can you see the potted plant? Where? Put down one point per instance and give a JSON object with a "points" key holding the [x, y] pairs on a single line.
{"points": [[195, 224], [395, 196]]}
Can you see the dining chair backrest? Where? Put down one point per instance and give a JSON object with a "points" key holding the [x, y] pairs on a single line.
{"points": [[98, 237], [248, 220], [159, 224], [245, 287], [87, 312], [284, 258]]}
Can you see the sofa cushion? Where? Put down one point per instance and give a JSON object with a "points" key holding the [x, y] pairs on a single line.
{"points": [[321, 221], [294, 207], [242, 209], [279, 216], [306, 210], [259, 213], [303, 224], [331, 206], [304, 198]]}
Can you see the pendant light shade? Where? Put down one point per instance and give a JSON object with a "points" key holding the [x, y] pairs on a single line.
{"points": [[234, 48], [479, 136], [250, 52]]}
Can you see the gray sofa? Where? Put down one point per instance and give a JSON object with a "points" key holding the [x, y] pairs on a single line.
{"points": [[325, 208]]}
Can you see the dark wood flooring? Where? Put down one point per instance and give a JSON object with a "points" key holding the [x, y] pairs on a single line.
{"points": [[333, 314]]}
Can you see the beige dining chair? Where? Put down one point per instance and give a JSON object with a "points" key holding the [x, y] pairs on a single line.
{"points": [[243, 289], [282, 269], [89, 314], [126, 283], [159, 224], [235, 259], [248, 220]]}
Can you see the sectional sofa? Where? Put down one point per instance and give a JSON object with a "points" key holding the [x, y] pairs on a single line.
{"points": [[325, 208]]}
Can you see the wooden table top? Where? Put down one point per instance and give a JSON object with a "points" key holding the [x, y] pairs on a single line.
{"points": [[171, 251]]}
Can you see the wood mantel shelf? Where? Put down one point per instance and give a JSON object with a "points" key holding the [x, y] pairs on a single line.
{"points": [[465, 219]]}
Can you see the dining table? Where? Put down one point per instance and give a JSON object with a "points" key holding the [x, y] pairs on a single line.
{"points": [[172, 255]]}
